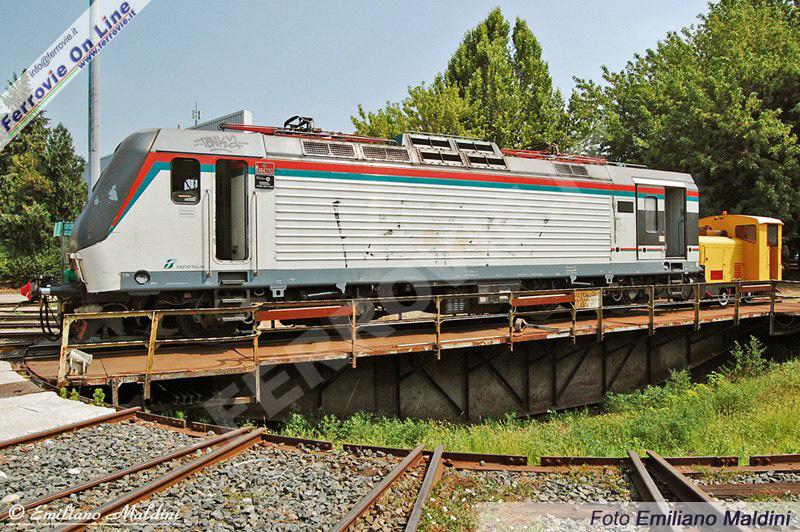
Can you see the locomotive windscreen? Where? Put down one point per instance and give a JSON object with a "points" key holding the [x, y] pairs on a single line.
{"points": [[105, 202]]}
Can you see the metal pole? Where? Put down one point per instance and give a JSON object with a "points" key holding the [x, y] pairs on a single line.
{"points": [[772, 295], [600, 317], [62, 359], [151, 351], [574, 317], [511, 322], [438, 327], [353, 331], [697, 299], [94, 109]]}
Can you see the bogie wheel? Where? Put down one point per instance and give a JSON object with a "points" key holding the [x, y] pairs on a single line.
{"points": [[200, 326]]}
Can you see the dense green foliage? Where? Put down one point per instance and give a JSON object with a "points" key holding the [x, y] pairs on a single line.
{"points": [[41, 182], [716, 417], [496, 86], [718, 100]]}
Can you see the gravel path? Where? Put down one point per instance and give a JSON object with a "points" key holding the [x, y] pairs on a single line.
{"points": [[270, 488], [34, 470]]}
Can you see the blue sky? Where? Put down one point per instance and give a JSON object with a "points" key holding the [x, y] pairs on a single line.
{"points": [[319, 59]]}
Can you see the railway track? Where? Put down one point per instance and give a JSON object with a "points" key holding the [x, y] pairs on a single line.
{"points": [[19, 325], [199, 476]]}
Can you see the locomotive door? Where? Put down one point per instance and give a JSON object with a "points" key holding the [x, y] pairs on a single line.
{"points": [[650, 231], [675, 216], [230, 220]]}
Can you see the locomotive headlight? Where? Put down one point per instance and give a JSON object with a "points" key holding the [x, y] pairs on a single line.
{"points": [[142, 277]]}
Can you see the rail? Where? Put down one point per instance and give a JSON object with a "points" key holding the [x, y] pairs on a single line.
{"points": [[113, 417], [120, 473], [233, 446], [363, 506], [653, 476], [579, 311]]}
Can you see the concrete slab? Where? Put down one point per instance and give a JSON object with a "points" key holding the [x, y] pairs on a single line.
{"points": [[7, 296], [35, 412], [8, 375], [18, 388]]}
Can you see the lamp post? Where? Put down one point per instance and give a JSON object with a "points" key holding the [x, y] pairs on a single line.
{"points": [[94, 110]]}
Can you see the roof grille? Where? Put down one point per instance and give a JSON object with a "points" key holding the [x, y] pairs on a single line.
{"points": [[486, 161], [386, 154], [328, 149], [571, 169], [430, 142], [440, 157], [475, 145]]}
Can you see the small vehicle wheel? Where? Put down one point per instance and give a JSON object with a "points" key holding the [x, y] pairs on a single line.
{"points": [[723, 297]]}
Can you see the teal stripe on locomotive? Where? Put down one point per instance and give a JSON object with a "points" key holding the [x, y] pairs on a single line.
{"points": [[352, 176], [347, 176]]}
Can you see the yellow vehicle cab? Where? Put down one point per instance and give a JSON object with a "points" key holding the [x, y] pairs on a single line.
{"points": [[739, 247]]}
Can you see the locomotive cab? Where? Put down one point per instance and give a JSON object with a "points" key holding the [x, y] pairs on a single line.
{"points": [[738, 247]]}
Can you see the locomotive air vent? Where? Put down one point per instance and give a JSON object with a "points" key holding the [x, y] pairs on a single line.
{"points": [[430, 142], [328, 149], [440, 157], [571, 169], [486, 161], [382, 153], [475, 145]]}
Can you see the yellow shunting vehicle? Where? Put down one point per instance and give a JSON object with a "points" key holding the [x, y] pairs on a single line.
{"points": [[739, 247]]}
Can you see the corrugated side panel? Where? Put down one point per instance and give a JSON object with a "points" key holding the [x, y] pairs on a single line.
{"points": [[381, 224]]}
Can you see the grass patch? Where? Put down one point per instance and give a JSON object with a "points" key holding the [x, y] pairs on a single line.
{"points": [[750, 407], [452, 505]]}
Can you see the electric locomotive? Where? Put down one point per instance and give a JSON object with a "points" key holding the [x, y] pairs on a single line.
{"points": [[195, 219]]}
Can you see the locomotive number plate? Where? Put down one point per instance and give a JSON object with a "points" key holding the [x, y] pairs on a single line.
{"points": [[265, 182], [587, 299], [265, 175]]}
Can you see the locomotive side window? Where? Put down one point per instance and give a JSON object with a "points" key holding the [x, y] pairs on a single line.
{"points": [[746, 233], [185, 181], [651, 214], [625, 207], [772, 235]]}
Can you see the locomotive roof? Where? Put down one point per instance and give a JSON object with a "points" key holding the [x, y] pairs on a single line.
{"points": [[416, 149]]}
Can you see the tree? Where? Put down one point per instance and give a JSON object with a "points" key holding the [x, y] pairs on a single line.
{"points": [[496, 86], [717, 100], [435, 108], [41, 182]]}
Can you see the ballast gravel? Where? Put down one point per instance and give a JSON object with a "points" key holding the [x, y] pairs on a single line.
{"points": [[590, 486], [37, 469], [272, 488], [461, 497], [64, 510], [765, 477], [391, 510]]}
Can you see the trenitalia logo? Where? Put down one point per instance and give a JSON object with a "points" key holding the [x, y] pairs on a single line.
{"points": [[61, 61]]}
